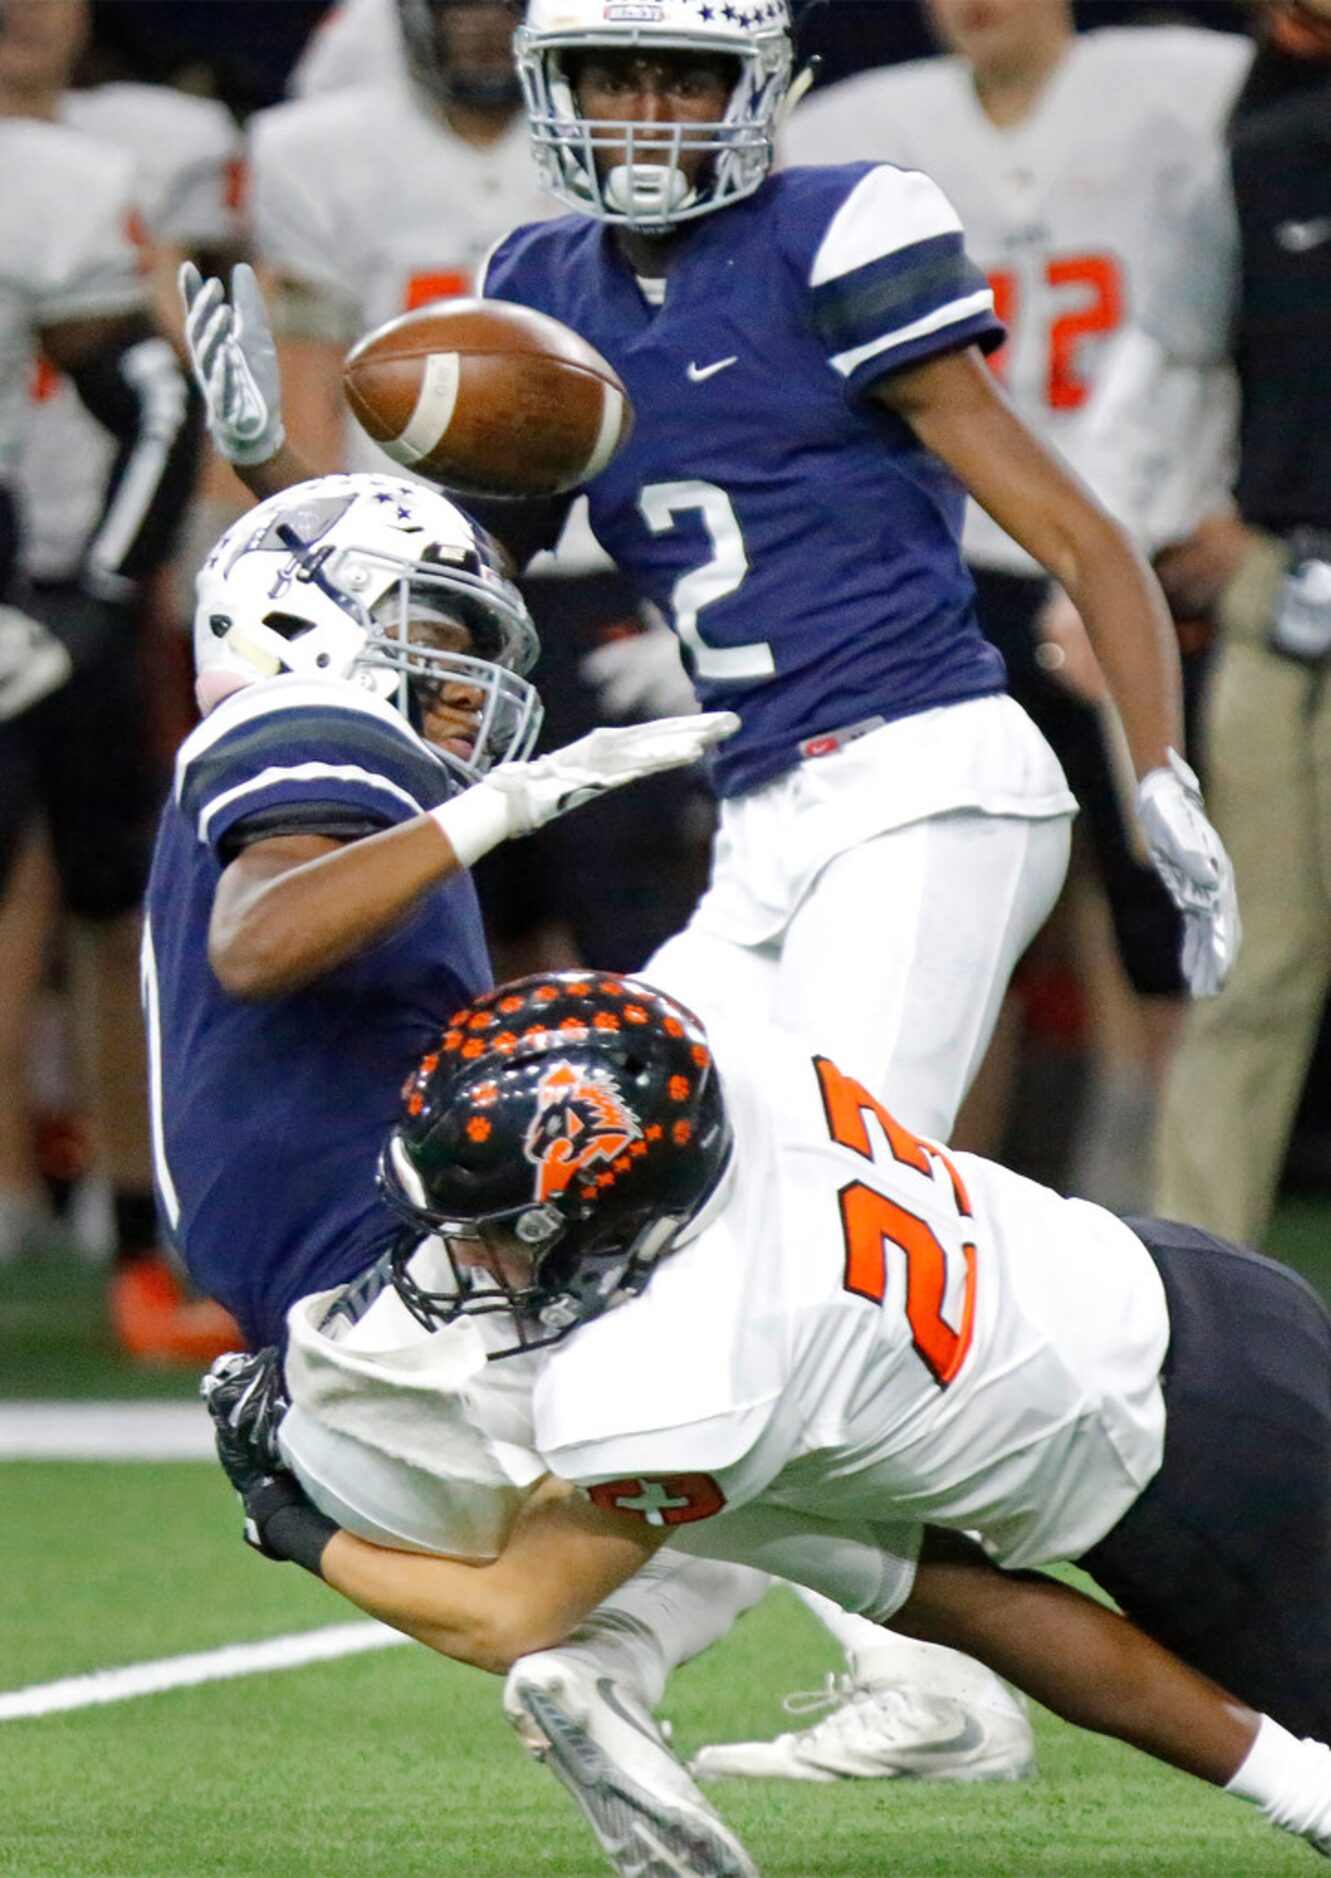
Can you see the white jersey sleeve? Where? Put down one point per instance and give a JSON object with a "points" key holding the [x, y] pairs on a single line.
{"points": [[297, 229], [187, 154], [1167, 377], [407, 1437]]}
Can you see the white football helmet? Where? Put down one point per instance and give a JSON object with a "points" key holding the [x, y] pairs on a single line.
{"points": [[649, 191], [341, 577]]}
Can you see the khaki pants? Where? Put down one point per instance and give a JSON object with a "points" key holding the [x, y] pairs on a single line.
{"points": [[1235, 1082]]}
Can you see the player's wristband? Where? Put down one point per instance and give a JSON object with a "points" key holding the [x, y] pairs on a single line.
{"points": [[475, 821], [285, 1525]]}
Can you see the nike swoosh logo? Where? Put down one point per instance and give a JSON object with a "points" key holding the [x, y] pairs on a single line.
{"points": [[699, 374], [1299, 237], [610, 1696], [969, 1735]]}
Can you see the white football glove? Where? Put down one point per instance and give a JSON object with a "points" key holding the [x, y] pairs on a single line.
{"points": [[235, 363], [33, 662], [1190, 858], [640, 675], [516, 798]]}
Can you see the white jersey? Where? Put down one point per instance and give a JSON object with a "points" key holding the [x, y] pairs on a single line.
{"points": [[68, 251], [868, 1335], [368, 198], [356, 43], [1066, 212], [186, 155]]}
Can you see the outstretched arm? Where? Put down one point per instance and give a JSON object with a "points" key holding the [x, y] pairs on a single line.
{"points": [[957, 410], [562, 1558], [291, 908]]}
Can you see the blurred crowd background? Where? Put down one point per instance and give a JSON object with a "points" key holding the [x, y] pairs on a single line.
{"points": [[305, 136]]}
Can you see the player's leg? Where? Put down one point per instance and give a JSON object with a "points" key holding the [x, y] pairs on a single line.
{"points": [[896, 965], [898, 960], [1243, 1056], [1226, 1555]]}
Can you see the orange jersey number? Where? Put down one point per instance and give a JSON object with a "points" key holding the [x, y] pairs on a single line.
{"points": [[1095, 283], [871, 1222], [422, 288]]}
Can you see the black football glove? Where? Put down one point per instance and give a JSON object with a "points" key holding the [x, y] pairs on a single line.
{"points": [[247, 1398]]}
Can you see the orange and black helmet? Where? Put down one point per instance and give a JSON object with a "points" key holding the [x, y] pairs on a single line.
{"points": [[576, 1114]]}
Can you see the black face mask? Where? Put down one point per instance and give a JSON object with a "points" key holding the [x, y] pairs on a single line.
{"points": [[420, 23], [483, 92]]}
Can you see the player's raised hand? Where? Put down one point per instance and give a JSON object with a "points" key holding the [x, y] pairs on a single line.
{"points": [[516, 798], [234, 359], [1190, 858]]}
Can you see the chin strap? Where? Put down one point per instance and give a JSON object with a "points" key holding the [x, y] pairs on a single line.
{"points": [[801, 86]]}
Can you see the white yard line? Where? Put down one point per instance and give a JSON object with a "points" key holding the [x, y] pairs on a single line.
{"points": [[185, 1672], [105, 1431]]}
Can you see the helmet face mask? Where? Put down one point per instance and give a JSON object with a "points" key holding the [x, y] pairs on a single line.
{"points": [[644, 186], [385, 584], [457, 61], [566, 1131]]}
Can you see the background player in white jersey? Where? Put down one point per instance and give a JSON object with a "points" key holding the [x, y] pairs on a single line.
{"points": [[76, 291], [894, 829], [185, 152], [1066, 157], [893, 1352], [380, 196]]}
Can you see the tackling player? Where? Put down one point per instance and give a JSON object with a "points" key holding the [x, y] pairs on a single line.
{"points": [[893, 1352]]}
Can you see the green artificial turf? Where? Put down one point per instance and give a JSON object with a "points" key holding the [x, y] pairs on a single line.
{"points": [[398, 1764]]}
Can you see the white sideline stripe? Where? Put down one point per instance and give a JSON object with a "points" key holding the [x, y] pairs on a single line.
{"points": [[105, 1431], [185, 1672]]}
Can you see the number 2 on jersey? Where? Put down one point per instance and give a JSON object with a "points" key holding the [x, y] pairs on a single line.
{"points": [[871, 1222], [720, 575]]}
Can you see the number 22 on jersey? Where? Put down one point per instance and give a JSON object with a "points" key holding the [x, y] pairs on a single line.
{"points": [[871, 1223], [1094, 284]]}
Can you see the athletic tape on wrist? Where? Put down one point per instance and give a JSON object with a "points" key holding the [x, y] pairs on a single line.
{"points": [[475, 821]]}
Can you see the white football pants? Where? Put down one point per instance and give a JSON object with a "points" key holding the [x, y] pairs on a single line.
{"points": [[896, 962]]}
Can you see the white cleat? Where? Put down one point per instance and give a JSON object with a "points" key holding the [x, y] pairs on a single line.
{"points": [[882, 1732], [608, 1750]]}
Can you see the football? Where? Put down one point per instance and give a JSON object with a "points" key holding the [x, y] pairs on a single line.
{"points": [[487, 398]]}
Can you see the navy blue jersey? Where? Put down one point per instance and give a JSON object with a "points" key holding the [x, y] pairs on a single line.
{"points": [[268, 1117], [803, 542]]}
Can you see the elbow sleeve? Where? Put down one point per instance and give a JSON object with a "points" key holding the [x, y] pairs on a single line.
{"points": [[140, 393]]}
